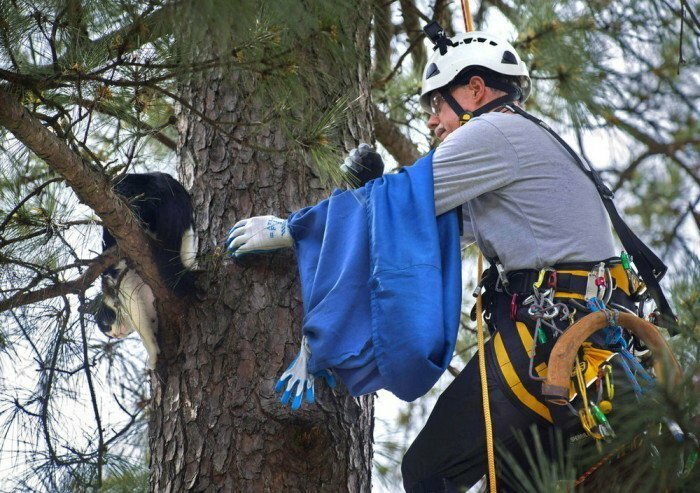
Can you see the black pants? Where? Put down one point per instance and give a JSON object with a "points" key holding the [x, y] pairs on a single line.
{"points": [[450, 451]]}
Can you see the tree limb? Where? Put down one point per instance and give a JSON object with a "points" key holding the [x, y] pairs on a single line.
{"points": [[397, 66], [443, 14], [393, 140], [627, 173], [654, 147], [414, 33], [34, 192], [674, 231], [75, 286], [90, 185]]}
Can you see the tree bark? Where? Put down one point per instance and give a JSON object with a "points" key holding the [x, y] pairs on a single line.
{"points": [[217, 424]]}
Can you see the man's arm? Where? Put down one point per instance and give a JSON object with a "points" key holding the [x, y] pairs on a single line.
{"points": [[475, 159], [262, 234]]}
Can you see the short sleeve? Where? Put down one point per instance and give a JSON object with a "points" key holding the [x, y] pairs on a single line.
{"points": [[475, 159]]}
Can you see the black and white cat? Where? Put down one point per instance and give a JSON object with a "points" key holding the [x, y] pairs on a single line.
{"points": [[165, 210]]}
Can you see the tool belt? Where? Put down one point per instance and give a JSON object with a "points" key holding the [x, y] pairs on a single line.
{"points": [[570, 281], [515, 335]]}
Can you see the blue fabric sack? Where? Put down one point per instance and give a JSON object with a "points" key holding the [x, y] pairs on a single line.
{"points": [[381, 283]]}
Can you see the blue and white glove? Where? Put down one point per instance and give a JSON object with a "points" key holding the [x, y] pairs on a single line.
{"points": [[258, 235], [297, 382]]}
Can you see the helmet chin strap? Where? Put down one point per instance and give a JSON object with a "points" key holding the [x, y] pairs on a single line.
{"points": [[466, 115]]}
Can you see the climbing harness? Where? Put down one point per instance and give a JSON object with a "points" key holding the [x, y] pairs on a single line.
{"points": [[651, 267]]}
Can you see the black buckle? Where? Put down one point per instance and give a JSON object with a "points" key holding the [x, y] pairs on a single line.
{"points": [[436, 34]]}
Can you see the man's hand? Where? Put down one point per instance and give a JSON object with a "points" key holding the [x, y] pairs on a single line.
{"points": [[258, 234], [362, 165]]}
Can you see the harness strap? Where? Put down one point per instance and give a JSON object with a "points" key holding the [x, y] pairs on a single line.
{"points": [[573, 281], [651, 268]]}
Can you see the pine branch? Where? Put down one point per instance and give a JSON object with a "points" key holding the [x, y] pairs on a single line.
{"points": [[397, 66], [417, 11], [33, 193], [690, 210], [393, 140], [94, 397], [129, 119], [383, 32], [480, 13], [145, 29], [691, 13], [443, 14], [75, 16], [627, 173], [91, 186], [75, 286], [655, 147]]}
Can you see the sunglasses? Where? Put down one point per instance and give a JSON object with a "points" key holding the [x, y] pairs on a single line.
{"points": [[436, 101]]}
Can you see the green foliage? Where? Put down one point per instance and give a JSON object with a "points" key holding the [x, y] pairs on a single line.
{"points": [[685, 295], [106, 76], [661, 204], [126, 479]]}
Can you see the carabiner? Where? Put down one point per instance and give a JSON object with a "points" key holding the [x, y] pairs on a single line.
{"points": [[540, 279]]}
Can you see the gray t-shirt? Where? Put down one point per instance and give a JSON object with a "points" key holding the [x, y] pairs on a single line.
{"points": [[525, 199]]}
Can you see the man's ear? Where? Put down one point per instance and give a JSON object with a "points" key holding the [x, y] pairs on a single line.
{"points": [[477, 88]]}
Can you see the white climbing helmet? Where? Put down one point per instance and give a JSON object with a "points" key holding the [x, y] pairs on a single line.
{"points": [[472, 49]]}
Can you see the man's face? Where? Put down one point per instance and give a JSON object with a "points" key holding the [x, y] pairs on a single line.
{"points": [[443, 120]]}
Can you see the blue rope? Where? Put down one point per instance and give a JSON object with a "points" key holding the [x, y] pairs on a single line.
{"points": [[614, 340]]}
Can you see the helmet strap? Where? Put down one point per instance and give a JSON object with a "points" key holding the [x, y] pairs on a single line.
{"points": [[466, 115]]}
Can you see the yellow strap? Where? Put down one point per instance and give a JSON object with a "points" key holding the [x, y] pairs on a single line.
{"points": [[513, 381], [491, 457]]}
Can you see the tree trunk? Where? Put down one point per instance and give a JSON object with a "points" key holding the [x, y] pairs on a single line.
{"points": [[217, 425]]}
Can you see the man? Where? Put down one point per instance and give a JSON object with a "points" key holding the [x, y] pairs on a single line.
{"points": [[538, 216], [528, 206]]}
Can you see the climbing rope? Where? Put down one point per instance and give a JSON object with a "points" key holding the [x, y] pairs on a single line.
{"points": [[491, 457], [467, 13]]}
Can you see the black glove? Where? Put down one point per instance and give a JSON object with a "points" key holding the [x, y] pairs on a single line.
{"points": [[362, 165]]}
